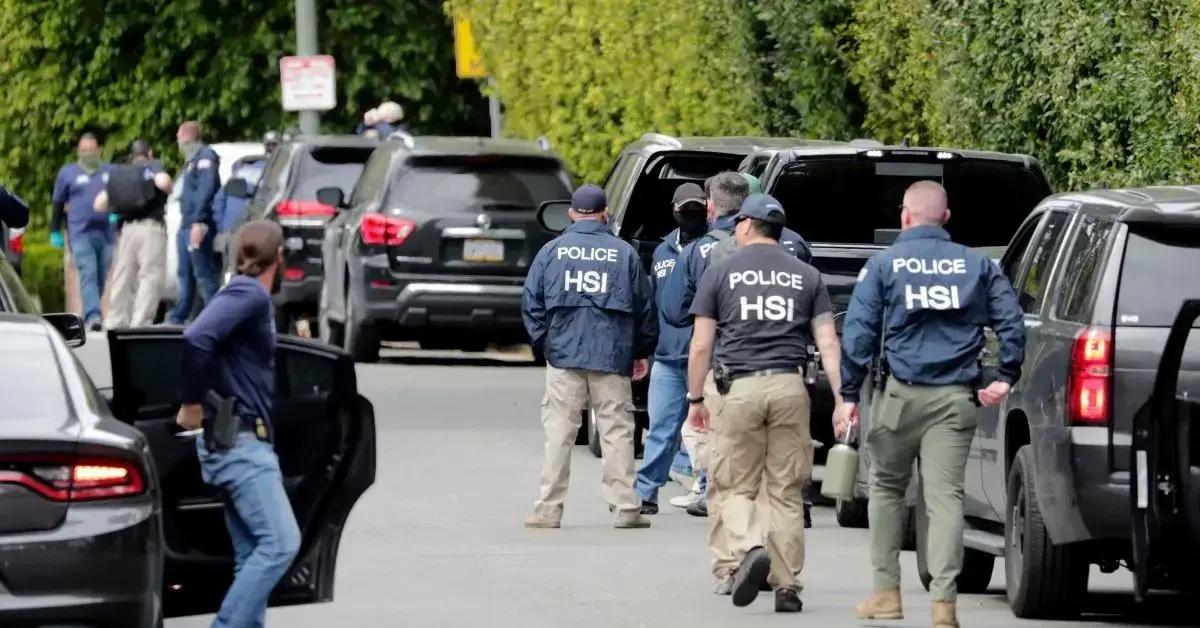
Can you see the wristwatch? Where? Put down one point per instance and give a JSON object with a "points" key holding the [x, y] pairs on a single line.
{"points": [[692, 399]]}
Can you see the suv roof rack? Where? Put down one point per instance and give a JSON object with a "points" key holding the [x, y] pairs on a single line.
{"points": [[403, 138], [661, 138]]}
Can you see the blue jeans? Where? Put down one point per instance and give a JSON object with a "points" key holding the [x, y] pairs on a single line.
{"points": [[668, 408], [92, 253], [261, 525], [198, 267]]}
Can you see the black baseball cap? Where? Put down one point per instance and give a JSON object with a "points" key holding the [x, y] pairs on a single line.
{"points": [[687, 193], [589, 199], [763, 207]]}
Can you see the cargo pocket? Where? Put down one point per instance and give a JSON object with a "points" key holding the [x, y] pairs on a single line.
{"points": [[887, 411]]}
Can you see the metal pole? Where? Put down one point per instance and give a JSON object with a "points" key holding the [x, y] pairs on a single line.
{"points": [[306, 44], [494, 108]]}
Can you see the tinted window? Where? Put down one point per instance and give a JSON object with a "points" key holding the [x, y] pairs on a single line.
{"points": [[845, 199], [1159, 272], [328, 166], [274, 175], [30, 383], [617, 176], [373, 178], [1041, 262], [1016, 251], [1082, 274], [444, 185]]}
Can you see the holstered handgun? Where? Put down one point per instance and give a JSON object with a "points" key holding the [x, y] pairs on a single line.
{"points": [[220, 427], [721, 378], [881, 372], [812, 366]]}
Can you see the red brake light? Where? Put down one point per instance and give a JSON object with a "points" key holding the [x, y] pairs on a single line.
{"points": [[303, 209], [16, 243], [1089, 381], [293, 274], [378, 229], [70, 479]]}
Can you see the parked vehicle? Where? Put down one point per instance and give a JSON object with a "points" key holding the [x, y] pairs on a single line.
{"points": [[15, 251], [434, 243], [1101, 277], [845, 200], [287, 193]]}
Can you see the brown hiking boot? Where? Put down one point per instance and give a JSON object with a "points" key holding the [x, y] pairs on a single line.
{"points": [[881, 605], [945, 615], [534, 521], [631, 522]]}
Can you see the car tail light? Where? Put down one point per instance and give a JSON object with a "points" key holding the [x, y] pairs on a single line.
{"points": [[16, 243], [293, 274], [304, 209], [72, 479], [1089, 380], [378, 229]]}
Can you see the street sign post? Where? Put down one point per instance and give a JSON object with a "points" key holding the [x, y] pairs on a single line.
{"points": [[468, 63], [308, 83]]}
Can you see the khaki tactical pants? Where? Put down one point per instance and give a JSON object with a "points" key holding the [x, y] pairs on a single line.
{"points": [[761, 452], [138, 269], [937, 423], [611, 397]]}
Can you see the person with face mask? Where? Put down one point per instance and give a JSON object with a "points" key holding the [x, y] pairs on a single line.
{"points": [[90, 233], [230, 350], [588, 309], [194, 242], [663, 458]]}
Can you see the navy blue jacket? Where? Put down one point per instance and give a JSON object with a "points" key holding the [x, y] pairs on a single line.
{"points": [[673, 342], [680, 288], [230, 349], [587, 302], [931, 298], [201, 180], [14, 213], [228, 211]]}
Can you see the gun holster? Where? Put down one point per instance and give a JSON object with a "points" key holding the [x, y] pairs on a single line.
{"points": [[220, 427], [882, 372], [721, 378]]}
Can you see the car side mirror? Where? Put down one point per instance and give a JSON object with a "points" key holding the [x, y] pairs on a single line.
{"points": [[554, 216], [69, 326], [331, 196], [237, 188]]}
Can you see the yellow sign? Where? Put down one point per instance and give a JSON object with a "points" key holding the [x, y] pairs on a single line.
{"points": [[467, 60]]}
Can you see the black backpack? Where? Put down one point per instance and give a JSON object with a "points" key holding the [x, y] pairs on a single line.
{"points": [[130, 188]]}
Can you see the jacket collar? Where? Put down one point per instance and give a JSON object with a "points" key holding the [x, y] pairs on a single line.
{"points": [[725, 222], [923, 232], [589, 226]]}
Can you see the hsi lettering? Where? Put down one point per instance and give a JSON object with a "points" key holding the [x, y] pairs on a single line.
{"points": [[664, 268], [590, 281], [772, 308], [931, 297]]}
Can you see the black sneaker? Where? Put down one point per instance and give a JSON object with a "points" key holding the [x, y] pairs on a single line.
{"points": [[698, 509], [95, 325], [750, 575], [649, 508], [787, 601]]}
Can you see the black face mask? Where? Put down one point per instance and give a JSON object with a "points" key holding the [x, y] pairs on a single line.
{"points": [[693, 223]]}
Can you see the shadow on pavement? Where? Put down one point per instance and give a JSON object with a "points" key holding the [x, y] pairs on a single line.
{"points": [[1118, 607]]}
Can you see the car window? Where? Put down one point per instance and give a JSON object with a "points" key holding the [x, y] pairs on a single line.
{"points": [[758, 165], [648, 214], [1041, 262], [273, 176], [1015, 253], [617, 176], [450, 184], [30, 382], [1158, 273], [329, 166], [374, 176], [17, 298], [1081, 276]]}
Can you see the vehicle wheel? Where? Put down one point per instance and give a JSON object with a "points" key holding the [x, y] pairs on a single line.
{"points": [[593, 434], [851, 513], [361, 339], [1045, 581], [328, 330]]}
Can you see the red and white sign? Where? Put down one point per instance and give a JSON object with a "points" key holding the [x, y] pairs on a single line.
{"points": [[308, 83]]}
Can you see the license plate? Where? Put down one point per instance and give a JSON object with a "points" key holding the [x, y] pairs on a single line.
{"points": [[483, 251]]}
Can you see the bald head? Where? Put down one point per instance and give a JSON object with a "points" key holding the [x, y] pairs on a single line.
{"points": [[924, 204], [188, 132]]}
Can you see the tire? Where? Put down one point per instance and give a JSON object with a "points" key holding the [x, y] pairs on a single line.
{"points": [[1045, 581], [851, 513], [593, 434], [360, 339], [329, 331], [977, 566]]}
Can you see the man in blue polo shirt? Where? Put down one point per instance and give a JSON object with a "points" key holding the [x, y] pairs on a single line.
{"points": [[90, 232]]}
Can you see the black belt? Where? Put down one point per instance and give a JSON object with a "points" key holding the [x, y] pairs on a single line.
{"points": [[765, 372]]}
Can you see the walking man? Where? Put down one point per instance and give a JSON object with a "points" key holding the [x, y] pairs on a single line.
{"points": [[90, 234], [761, 308], [136, 195], [668, 379], [928, 406], [194, 242], [230, 350], [588, 310]]}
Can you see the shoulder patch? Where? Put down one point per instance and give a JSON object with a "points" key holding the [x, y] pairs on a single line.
{"points": [[81, 179], [862, 274], [204, 164]]}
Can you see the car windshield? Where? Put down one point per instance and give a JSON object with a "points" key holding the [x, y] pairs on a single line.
{"points": [[844, 200], [30, 383], [330, 166], [1158, 256], [450, 184]]}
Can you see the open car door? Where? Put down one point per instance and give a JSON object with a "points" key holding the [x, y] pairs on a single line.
{"points": [[325, 440]]}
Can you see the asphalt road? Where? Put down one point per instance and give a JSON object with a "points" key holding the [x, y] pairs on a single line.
{"points": [[438, 541]]}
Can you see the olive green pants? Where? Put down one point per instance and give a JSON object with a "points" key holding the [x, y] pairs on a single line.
{"points": [[936, 423]]}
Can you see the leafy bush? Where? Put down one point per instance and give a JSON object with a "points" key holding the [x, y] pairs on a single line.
{"points": [[42, 272]]}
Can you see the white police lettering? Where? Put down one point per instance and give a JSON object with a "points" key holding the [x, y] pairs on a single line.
{"points": [[931, 297], [664, 268], [772, 308], [766, 278], [590, 281], [705, 247], [588, 255], [920, 266]]}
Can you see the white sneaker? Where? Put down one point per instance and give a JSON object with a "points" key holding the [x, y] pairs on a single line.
{"points": [[684, 501]]}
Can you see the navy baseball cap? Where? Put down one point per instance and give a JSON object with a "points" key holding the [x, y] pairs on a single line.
{"points": [[763, 207], [589, 199]]}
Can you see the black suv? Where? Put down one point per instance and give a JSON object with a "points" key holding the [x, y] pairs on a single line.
{"points": [[1101, 277], [434, 243], [287, 193]]}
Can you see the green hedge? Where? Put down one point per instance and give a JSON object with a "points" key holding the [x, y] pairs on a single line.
{"points": [[42, 272]]}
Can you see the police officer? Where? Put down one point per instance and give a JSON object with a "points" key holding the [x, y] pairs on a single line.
{"points": [[194, 242], [588, 309], [763, 308], [931, 299], [230, 350]]}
